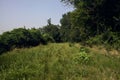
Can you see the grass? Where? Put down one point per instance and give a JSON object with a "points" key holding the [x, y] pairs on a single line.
{"points": [[60, 61]]}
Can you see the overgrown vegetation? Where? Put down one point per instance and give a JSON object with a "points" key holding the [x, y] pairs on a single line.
{"points": [[91, 23], [58, 62], [19, 38]]}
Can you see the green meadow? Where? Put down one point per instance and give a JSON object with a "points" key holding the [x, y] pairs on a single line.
{"points": [[59, 61]]}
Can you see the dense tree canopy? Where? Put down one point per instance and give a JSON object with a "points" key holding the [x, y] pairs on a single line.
{"points": [[20, 37], [65, 29], [96, 16], [52, 30], [95, 19]]}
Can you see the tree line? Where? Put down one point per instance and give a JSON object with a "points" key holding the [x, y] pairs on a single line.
{"points": [[91, 22]]}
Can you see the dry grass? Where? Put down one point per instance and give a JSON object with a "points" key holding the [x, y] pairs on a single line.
{"points": [[103, 50]]}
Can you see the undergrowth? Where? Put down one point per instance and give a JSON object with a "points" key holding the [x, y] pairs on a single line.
{"points": [[58, 62]]}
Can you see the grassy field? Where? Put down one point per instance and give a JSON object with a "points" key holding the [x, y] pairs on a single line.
{"points": [[61, 61]]}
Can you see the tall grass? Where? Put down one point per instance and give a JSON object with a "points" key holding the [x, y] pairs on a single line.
{"points": [[58, 62]]}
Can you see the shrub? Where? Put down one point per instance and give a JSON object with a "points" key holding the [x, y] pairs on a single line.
{"points": [[109, 39], [48, 38], [20, 38], [83, 57]]}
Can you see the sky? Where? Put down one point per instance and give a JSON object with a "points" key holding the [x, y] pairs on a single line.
{"points": [[30, 13]]}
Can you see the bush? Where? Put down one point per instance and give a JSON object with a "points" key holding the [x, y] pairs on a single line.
{"points": [[109, 39], [20, 38], [83, 57], [48, 38], [3, 47]]}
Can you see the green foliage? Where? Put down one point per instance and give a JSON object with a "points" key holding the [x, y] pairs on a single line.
{"points": [[97, 40], [96, 20], [57, 62], [36, 37], [52, 31], [65, 29], [20, 37], [3, 47], [109, 39], [83, 57], [48, 38]]}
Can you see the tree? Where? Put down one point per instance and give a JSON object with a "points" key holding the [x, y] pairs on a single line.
{"points": [[49, 21], [36, 37], [20, 37], [94, 17], [65, 29], [52, 30]]}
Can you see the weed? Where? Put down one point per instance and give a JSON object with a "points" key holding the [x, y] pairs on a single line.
{"points": [[58, 62]]}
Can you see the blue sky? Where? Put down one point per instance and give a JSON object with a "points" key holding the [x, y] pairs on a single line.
{"points": [[30, 13]]}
